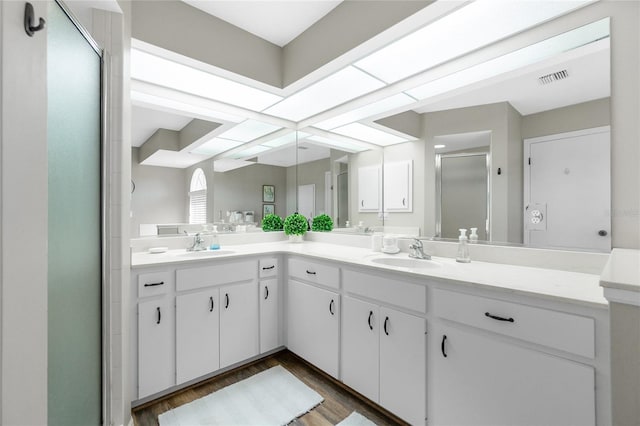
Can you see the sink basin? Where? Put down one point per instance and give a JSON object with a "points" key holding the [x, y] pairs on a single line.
{"points": [[205, 253], [406, 262]]}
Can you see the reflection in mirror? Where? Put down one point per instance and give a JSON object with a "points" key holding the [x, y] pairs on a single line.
{"points": [[462, 184], [543, 96]]}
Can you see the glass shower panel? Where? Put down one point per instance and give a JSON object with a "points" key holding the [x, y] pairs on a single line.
{"points": [[74, 240]]}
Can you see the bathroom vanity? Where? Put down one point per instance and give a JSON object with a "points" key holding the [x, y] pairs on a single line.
{"points": [[433, 341]]}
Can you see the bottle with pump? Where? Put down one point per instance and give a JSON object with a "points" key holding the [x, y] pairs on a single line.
{"points": [[463, 247], [473, 237], [215, 244]]}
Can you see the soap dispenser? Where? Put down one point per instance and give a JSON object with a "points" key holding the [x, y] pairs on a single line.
{"points": [[473, 237], [463, 247], [215, 244]]}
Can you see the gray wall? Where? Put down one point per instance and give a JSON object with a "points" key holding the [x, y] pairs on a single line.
{"points": [[574, 117], [161, 194], [625, 364], [241, 189]]}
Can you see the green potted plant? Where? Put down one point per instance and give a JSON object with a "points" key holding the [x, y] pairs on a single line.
{"points": [[272, 222], [295, 226], [322, 223]]}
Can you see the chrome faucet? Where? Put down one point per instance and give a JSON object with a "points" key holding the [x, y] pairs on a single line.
{"points": [[416, 250], [198, 243]]}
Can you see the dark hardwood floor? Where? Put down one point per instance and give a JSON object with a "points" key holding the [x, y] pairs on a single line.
{"points": [[338, 403]]}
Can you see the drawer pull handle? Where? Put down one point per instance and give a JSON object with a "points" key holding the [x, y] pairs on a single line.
{"points": [[266, 268], [266, 292], [159, 315], [369, 320], [444, 339], [154, 284], [331, 307], [497, 318], [226, 297], [386, 320], [310, 272], [211, 304]]}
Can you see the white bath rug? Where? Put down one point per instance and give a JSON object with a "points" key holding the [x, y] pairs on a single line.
{"points": [[356, 419], [272, 397]]}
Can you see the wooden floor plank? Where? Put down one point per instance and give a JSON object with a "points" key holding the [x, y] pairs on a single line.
{"points": [[339, 401]]}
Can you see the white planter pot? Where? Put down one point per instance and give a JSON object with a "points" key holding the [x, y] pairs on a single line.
{"points": [[295, 238]]}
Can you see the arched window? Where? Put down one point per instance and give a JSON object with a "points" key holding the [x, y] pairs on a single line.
{"points": [[198, 197]]}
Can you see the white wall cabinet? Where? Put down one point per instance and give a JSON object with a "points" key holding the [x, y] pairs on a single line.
{"points": [[156, 370], [197, 334], [313, 321], [269, 315], [398, 186], [480, 380], [384, 357], [369, 189], [238, 322]]}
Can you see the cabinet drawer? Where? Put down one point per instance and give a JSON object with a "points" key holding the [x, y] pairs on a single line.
{"points": [[315, 272], [268, 267], [154, 283], [189, 279], [563, 331], [394, 292]]}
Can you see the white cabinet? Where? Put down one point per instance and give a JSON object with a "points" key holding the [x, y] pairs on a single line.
{"points": [[313, 319], [398, 186], [238, 322], [369, 188], [197, 336], [384, 357], [269, 314], [156, 370], [480, 380]]}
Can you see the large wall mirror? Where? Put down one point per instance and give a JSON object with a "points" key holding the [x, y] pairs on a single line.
{"points": [[515, 146]]}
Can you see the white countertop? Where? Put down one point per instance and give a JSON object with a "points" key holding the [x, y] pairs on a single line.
{"points": [[621, 276], [574, 287]]}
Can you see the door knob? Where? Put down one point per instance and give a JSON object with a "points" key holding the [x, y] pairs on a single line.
{"points": [[602, 233]]}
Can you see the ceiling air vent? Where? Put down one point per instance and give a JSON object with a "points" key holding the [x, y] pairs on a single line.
{"points": [[555, 76]]}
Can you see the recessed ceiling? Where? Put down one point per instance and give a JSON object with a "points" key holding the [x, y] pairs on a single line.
{"points": [[345, 95], [144, 123], [276, 21]]}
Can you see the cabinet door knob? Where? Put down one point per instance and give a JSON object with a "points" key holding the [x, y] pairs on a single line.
{"points": [[331, 307], [386, 320], [159, 315], [226, 297], [444, 339], [266, 292], [211, 304], [602, 233], [369, 320]]}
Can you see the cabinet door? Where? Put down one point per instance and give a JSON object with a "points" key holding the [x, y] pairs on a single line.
{"points": [[156, 371], [369, 188], [483, 381], [269, 309], [398, 180], [403, 361], [312, 325], [238, 322], [197, 344], [360, 346]]}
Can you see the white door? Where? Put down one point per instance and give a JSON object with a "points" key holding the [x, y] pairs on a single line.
{"points": [[403, 360], [269, 308], [567, 191], [398, 180], [238, 322], [197, 335], [155, 346], [360, 346], [369, 188], [307, 200], [483, 381], [312, 325]]}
